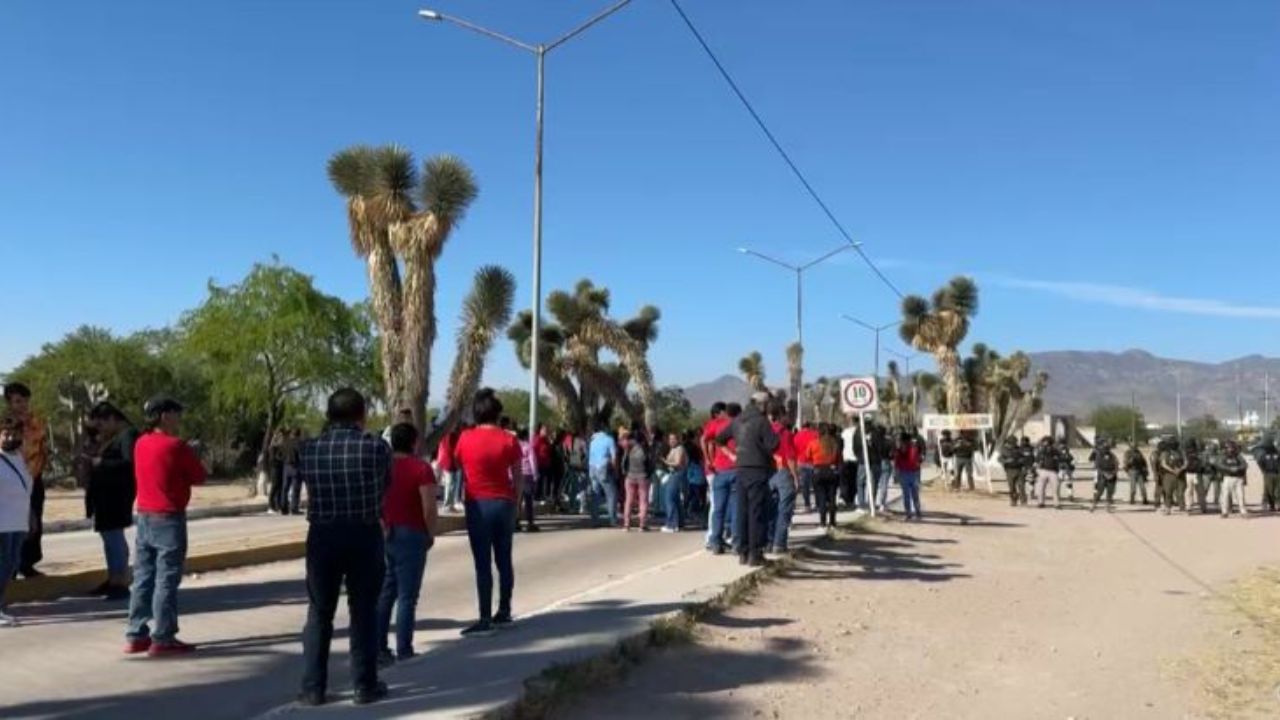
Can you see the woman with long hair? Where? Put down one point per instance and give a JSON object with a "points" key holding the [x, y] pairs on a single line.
{"points": [[636, 466], [490, 460], [110, 493], [824, 454], [907, 460]]}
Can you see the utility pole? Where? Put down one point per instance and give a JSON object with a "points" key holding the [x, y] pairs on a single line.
{"points": [[1133, 417]]}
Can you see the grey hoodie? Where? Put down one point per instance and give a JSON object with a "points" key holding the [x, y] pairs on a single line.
{"points": [[756, 441]]}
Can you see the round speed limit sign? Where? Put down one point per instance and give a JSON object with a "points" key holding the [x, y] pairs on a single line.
{"points": [[858, 395]]}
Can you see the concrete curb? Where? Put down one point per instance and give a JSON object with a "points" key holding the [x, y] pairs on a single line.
{"points": [[216, 511], [556, 686], [53, 587]]}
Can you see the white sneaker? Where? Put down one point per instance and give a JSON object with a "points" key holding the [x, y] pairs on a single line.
{"points": [[7, 620], [666, 529]]}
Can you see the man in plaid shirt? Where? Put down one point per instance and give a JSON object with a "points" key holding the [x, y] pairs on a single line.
{"points": [[346, 471]]}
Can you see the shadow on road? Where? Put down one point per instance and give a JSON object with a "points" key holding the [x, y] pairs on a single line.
{"points": [[868, 557]]}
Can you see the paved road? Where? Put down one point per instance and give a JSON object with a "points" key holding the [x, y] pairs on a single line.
{"points": [[68, 551], [576, 590]]}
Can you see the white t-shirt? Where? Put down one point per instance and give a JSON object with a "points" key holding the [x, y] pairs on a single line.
{"points": [[850, 453], [15, 493]]}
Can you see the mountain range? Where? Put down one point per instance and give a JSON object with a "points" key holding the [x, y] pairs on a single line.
{"points": [[1080, 381]]}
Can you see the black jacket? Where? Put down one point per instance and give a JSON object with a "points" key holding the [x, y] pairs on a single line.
{"points": [[756, 441], [112, 488]]}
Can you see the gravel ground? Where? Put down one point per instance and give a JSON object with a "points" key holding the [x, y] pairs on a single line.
{"points": [[983, 611]]}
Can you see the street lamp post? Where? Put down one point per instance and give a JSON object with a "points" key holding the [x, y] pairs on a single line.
{"points": [[906, 361], [877, 329], [799, 272], [539, 51]]}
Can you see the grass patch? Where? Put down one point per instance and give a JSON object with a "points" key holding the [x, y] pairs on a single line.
{"points": [[1242, 678]]}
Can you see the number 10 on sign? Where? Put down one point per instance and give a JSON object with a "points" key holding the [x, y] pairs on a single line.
{"points": [[859, 395]]}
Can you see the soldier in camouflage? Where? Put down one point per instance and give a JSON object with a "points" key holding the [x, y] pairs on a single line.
{"points": [[1269, 463], [1014, 473], [1136, 466], [1234, 468], [1209, 480], [1108, 469], [1171, 466]]}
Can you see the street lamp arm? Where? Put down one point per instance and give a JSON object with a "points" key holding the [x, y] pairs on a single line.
{"points": [[829, 255], [766, 258], [441, 17], [583, 27], [856, 321], [890, 325]]}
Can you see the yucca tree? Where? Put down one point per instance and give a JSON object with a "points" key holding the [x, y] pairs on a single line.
{"points": [[395, 212], [553, 366], [938, 326], [933, 389], [485, 312], [752, 368], [795, 371], [378, 184]]}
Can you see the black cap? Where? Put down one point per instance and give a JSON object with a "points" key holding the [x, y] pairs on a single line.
{"points": [[160, 405]]}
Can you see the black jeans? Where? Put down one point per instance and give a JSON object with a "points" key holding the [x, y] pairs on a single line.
{"points": [[825, 481], [490, 525], [32, 550], [753, 511], [849, 482], [338, 552]]}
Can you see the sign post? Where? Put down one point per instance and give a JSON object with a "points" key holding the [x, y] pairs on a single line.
{"points": [[860, 395], [981, 422]]}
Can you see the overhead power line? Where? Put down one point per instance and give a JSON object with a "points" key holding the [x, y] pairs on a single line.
{"points": [[826, 210]]}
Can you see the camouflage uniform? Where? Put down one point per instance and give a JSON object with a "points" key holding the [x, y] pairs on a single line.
{"points": [[1136, 465], [1104, 485], [1171, 466], [1269, 463], [1011, 461], [1234, 468]]}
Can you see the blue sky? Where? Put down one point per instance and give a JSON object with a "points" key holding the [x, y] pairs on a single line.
{"points": [[1107, 170]]}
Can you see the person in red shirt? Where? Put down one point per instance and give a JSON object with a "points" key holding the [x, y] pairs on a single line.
{"points": [[782, 485], [165, 468], [906, 460], [823, 455], [724, 480], [803, 438], [447, 467], [490, 459], [541, 443], [409, 525]]}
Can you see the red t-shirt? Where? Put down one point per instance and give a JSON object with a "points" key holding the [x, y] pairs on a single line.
{"points": [[542, 451], [786, 446], [402, 504], [487, 454], [801, 442], [165, 468], [907, 458], [722, 461], [444, 455]]}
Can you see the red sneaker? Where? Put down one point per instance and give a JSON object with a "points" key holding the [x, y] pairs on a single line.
{"points": [[135, 647], [170, 649]]}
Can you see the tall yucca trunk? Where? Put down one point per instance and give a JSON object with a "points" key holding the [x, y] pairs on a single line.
{"points": [[602, 384], [418, 242], [609, 335], [485, 312], [795, 368], [567, 398], [949, 365], [384, 296]]}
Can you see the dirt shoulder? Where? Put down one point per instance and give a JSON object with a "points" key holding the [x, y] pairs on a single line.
{"points": [[984, 611]]}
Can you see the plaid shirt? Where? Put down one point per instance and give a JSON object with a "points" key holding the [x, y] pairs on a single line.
{"points": [[346, 472]]}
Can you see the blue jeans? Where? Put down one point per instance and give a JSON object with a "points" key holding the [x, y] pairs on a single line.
{"points": [[671, 499], [785, 487], [406, 551], [10, 559], [602, 485], [157, 571], [910, 481], [116, 549], [490, 527], [882, 486], [452, 482], [722, 497]]}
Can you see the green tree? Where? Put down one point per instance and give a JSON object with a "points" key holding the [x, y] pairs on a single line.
{"points": [[1119, 421], [751, 366], [672, 410], [515, 405], [90, 364], [272, 339]]}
